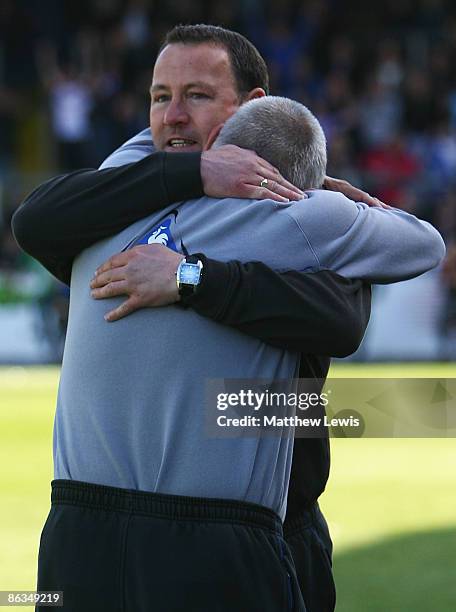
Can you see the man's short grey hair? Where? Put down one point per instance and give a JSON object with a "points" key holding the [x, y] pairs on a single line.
{"points": [[285, 133]]}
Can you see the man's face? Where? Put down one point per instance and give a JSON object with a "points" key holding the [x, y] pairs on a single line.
{"points": [[193, 90]]}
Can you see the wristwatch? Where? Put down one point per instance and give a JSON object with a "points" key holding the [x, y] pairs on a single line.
{"points": [[188, 275]]}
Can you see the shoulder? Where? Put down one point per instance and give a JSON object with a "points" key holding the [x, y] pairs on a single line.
{"points": [[325, 209], [131, 151], [324, 201]]}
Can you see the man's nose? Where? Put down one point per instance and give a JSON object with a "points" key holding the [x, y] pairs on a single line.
{"points": [[176, 113]]}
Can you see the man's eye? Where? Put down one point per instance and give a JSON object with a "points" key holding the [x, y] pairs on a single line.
{"points": [[160, 98], [197, 95]]}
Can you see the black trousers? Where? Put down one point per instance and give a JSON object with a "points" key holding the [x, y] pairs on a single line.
{"points": [[116, 550], [307, 536]]}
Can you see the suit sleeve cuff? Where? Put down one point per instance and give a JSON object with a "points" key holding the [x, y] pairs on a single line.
{"points": [[213, 293]]}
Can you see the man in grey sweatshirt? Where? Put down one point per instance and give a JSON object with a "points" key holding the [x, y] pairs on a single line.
{"points": [[209, 503]]}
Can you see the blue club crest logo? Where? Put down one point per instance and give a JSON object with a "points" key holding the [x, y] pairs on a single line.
{"points": [[160, 234]]}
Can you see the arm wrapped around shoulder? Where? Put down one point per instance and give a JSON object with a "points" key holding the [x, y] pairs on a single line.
{"points": [[398, 246], [374, 244]]}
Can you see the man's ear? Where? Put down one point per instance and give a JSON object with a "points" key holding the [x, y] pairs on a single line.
{"points": [[258, 92], [213, 136]]}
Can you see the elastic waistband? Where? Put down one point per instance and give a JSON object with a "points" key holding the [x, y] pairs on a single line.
{"points": [[159, 505]]}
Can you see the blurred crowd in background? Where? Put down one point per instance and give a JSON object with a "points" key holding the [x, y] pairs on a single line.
{"points": [[381, 78]]}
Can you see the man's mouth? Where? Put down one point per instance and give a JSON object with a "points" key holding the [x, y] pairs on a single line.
{"points": [[180, 143]]}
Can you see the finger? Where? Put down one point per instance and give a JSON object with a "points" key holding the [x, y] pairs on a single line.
{"points": [[369, 200], [372, 201], [110, 290], [284, 191], [268, 167], [121, 311], [110, 276], [262, 193], [362, 196], [116, 261], [273, 175]]}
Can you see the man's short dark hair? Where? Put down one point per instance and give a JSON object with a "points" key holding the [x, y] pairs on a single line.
{"points": [[249, 68]]}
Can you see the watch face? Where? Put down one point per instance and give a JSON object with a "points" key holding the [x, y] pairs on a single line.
{"points": [[189, 274]]}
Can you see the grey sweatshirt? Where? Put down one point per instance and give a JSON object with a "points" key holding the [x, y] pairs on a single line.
{"points": [[132, 404]]}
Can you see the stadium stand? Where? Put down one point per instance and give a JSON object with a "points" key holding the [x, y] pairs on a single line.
{"points": [[74, 79]]}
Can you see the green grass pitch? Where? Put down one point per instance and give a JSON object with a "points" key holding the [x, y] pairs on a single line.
{"points": [[390, 503]]}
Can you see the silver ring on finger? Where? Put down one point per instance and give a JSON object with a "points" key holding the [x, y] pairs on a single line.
{"points": [[264, 182]]}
